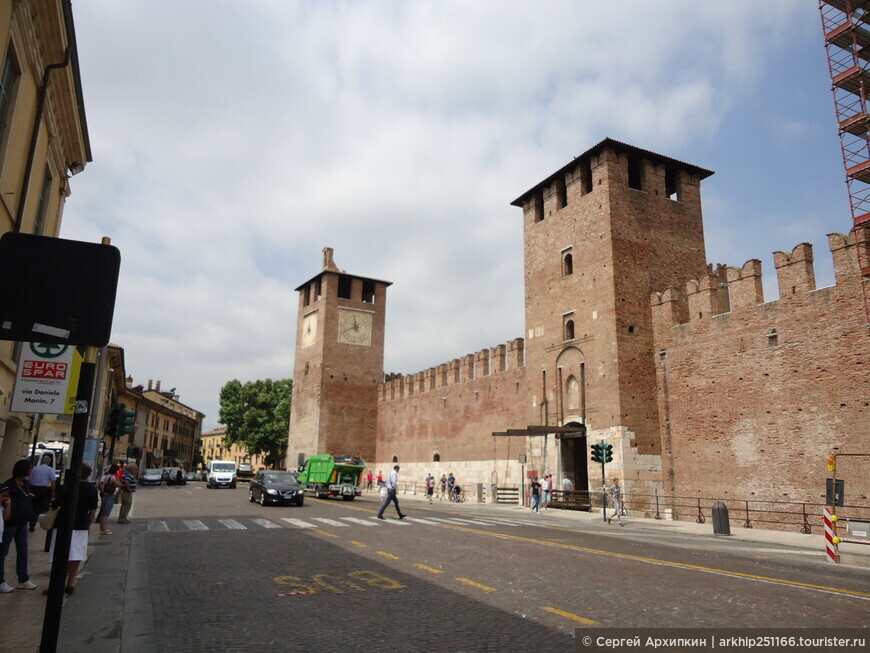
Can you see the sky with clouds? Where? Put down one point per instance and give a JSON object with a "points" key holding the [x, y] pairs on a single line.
{"points": [[232, 140]]}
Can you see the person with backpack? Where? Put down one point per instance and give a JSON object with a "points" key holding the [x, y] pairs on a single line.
{"points": [[16, 526], [108, 487]]}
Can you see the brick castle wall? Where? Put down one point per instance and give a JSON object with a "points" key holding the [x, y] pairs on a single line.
{"points": [[753, 396]]}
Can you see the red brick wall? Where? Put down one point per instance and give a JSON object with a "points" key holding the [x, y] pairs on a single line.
{"points": [[751, 401]]}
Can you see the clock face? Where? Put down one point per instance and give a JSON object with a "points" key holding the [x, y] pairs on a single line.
{"points": [[354, 327], [309, 329]]}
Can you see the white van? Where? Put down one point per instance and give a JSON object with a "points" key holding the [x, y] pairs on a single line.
{"points": [[221, 473]]}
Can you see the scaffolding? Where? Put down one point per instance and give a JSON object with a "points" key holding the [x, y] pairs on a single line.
{"points": [[846, 27]]}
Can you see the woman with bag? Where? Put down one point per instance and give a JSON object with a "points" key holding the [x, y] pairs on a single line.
{"points": [[16, 527], [108, 488]]}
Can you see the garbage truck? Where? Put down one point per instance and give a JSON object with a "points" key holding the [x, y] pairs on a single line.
{"points": [[324, 475]]}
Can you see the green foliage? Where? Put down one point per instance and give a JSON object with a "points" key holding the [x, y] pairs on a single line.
{"points": [[257, 417]]}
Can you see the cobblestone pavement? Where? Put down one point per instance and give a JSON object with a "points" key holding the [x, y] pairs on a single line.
{"points": [[207, 570]]}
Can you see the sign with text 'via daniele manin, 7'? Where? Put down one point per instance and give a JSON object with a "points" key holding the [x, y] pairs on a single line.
{"points": [[47, 379]]}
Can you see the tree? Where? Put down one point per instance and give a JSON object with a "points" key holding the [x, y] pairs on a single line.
{"points": [[257, 417]]}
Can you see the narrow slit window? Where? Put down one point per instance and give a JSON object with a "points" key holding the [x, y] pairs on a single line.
{"points": [[634, 174], [344, 286], [567, 264]]}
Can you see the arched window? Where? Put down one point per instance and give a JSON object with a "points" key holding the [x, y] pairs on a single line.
{"points": [[395, 459], [569, 329], [436, 458], [567, 265], [572, 393]]}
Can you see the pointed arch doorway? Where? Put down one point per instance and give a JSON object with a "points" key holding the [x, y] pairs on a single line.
{"points": [[572, 452]]}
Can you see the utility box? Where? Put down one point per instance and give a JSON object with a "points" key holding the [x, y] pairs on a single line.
{"points": [[721, 523]]}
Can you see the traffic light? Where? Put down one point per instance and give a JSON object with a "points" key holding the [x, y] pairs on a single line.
{"points": [[126, 422], [112, 421], [597, 453], [608, 453]]}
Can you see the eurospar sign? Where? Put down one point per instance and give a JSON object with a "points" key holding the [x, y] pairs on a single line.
{"points": [[47, 379]]}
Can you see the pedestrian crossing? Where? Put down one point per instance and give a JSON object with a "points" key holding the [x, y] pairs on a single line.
{"points": [[255, 523]]}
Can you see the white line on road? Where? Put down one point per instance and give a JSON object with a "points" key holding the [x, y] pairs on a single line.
{"points": [[157, 526], [298, 522], [265, 523], [361, 522], [195, 525], [232, 524], [394, 522], [420, 520], [331, 522]]}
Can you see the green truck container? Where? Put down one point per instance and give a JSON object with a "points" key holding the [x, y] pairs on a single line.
{"points": [[327, 476]]}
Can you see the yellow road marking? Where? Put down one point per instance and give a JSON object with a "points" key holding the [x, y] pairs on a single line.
{"points": [[485, 588], [359, 544], [427, 568], [655, 561], [571, 615], [317, 530], [680, 565], [388, 555]]}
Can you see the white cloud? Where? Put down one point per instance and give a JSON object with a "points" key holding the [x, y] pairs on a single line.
{"points": [[232, 141]]}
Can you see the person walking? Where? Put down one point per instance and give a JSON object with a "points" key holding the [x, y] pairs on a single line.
{"points": [[392, 494], [545, 492], [443, 487], [369, 479], [380, 480], [86, 509], [430, 486], [535, 489], [567, 485], [451, 484], [108, 488], [42, 483], [128, 489], [15, 527], [616, 502]]}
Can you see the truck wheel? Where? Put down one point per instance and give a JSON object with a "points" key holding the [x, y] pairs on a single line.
{"points": [[348, 497]]}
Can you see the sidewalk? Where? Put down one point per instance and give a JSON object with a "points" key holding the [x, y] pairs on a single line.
{"points": [[111, 608]]}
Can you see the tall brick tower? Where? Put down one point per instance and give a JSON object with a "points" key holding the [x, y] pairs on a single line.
{"points": [[601, 234], [339, 364]]}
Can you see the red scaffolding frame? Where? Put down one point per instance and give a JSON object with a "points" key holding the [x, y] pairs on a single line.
{"points": [[846, 28]]}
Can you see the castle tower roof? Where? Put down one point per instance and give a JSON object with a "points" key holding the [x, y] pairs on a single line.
{"points": [[619, 148]]}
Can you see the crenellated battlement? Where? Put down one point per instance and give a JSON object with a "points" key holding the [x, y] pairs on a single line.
{"points": [[730, 289], [482, 364]]}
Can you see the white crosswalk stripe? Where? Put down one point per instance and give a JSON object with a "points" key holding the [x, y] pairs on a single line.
{"points": [[232, 524], [265, 523], [361, 522], [330, 522], [449, 521], [157, 526], [298, 522], [420, 520], [195, 525], [394, 522]]}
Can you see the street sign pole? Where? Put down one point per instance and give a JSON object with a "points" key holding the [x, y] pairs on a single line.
{"points": [[63, 532]]}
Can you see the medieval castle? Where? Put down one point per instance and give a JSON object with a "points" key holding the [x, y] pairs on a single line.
{"points": [[702, 388]]}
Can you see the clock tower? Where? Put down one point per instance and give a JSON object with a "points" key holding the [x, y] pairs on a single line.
{"points": [[339, 364]]}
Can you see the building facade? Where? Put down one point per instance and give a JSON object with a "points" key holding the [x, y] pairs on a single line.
{"points": [[214, 448], [632, 339], [43, 141]]}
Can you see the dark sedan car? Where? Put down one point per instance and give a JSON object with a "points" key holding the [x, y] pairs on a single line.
{"points": [[269, 486]]}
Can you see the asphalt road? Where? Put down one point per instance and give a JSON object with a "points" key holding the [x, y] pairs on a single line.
{"points": [[229, 575]]}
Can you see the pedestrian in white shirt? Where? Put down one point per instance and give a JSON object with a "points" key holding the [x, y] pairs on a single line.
{"points": [[392, 494], [545, 491]]}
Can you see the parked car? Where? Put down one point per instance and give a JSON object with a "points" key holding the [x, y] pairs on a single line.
{"points": [[193, 476], [151, 477], [175, 476], [272, 486]]}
